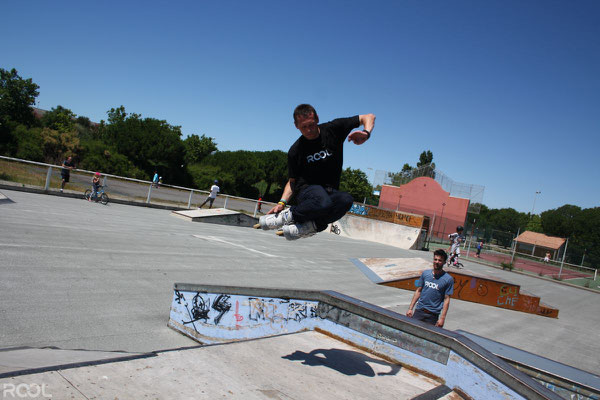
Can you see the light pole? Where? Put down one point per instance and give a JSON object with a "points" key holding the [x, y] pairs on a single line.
{"points": [[372, 185], [534, 198], [441, 218]]}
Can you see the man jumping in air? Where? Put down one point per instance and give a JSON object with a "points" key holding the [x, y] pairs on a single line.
{"points": [[314, 168]]}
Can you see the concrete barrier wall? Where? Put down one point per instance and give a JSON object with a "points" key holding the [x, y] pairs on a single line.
{"points": [[220, 314]]}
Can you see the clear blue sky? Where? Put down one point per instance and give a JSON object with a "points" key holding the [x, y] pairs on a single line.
{"points": [[506, 94]]}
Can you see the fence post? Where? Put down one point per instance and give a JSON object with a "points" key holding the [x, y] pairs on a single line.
{"points": [[149, 192], [512, 258], [255, 209], [469, 248], [563, 258], [225, 204], [190, 199], [48, 176]]}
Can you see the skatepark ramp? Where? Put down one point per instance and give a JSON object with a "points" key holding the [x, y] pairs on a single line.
{"points": [[221, 216], [389, 227], [4, 199], [402, 273], [223, 314]]}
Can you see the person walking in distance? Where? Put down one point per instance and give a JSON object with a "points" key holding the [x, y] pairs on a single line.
{"points": [[214, 189], [65, 173], [432, 297], [314, 168]]}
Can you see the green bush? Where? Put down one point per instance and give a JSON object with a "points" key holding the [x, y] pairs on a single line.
{"points": [[508, 266]]}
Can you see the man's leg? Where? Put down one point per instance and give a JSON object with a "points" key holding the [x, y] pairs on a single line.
{"points": [[318, 205], [211, 200]]}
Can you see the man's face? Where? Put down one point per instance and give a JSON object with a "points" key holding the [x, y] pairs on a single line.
{"points": [[307, 124], [438, 262]]}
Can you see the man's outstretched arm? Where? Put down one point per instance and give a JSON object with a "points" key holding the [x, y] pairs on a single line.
{"points": [[368, 123]]}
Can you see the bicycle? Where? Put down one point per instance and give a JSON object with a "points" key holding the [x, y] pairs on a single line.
{"points": [[335, 229], [100, 195], [457, 265]]}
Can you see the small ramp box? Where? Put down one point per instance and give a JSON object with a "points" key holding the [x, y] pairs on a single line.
{"points": [[221, 216]]}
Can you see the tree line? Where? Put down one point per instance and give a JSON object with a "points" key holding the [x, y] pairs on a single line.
{"points": [[128, 144]]}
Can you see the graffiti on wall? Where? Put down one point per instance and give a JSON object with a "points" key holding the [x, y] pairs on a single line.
{"points": [[395, 217], [216, 309]]}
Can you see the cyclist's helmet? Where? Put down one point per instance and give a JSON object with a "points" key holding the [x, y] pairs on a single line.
{"points": [[459, 229], [97, 174], [216, 181]]}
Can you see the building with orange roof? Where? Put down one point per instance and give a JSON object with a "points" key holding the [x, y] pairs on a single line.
{"points": [[538, 244]]}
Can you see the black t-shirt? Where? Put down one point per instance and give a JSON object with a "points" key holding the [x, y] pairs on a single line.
{"points": [[67, 163], [319, 161]]}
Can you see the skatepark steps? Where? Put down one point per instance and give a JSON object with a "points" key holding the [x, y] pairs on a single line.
{"points": [[221, 216], [468, 285], [212, 314]]}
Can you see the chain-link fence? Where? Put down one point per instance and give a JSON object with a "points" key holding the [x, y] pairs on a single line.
{"points": [[456, 189]]}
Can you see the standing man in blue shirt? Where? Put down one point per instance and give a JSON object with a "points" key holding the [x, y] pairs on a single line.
{"points": [[432, 297]]}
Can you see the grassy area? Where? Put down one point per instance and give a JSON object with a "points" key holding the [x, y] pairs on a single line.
{"points": [[20, 173]]}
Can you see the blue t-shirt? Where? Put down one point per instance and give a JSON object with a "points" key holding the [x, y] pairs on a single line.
{"points": [[434, 290]]}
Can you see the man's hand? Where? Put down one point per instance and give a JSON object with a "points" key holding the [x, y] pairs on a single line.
{"points": [[409, 313], [440, 322], [358, 137], [276, 209]]}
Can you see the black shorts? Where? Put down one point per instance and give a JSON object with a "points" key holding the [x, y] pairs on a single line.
{"points": [[421, 314], [66, 177]]}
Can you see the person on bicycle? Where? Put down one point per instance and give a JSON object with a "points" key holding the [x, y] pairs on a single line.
{"points": [[95, 186], [456, 239]]}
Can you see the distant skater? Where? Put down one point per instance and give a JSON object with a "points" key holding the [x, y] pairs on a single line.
{"points": [[479, 247], [214, 189], [455, 240], [547, 257], [314, 169]]}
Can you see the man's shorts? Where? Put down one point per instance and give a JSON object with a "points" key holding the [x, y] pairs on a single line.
{"points": [[422, 314], [65, 177]]}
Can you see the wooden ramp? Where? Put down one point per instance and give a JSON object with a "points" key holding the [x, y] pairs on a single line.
{"points": [[402, 273]]}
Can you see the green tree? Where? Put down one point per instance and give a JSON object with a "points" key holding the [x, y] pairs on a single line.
{"points": [[17, 95], [356, 183], [198, 147], [274, 165], [535, 224], [561, 221], [148, 143], [59, 119], [29, 143]]}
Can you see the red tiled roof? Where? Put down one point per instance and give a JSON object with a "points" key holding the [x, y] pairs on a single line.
{"points": [[539, 239]]}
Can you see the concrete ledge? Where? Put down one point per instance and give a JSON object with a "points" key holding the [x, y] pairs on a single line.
{"points": [[384, 332]]}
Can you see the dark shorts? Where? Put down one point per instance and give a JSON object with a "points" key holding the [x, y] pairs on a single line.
{"points": [[421, 314], [65, 176]]}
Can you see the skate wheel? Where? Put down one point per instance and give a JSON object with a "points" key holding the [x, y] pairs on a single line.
{"points": [[256, 226], [279, 233]]}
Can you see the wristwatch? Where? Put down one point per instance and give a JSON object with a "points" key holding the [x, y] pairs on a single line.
{"points": [[367, 132]]}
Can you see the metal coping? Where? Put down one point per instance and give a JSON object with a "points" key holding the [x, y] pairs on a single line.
{"points": [[517, 380], [537, 363]]}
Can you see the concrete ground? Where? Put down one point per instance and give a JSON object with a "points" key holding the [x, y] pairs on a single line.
{"points": [[79, 275]]}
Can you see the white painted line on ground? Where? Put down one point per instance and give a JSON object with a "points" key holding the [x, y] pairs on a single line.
{"points": [[216, 239]]}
